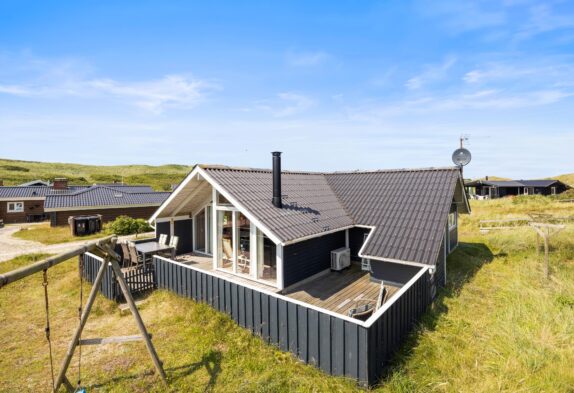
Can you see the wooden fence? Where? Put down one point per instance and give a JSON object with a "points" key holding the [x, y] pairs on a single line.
{"points": [[139, 279], [335, 343]]}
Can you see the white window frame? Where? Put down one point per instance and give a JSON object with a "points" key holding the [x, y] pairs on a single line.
{"points": [[13, 209], [253, 252], [455, 221], [202, 209], [553, 190]]}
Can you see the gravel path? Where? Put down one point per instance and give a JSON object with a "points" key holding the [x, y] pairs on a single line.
{"points": [[11, 247]]}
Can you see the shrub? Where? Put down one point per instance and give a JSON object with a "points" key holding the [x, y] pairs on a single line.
{"points": [[124, 225]]}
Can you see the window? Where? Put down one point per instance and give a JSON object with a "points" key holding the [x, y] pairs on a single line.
{"points": [[15, 207], [553, 190], [451, 220]]}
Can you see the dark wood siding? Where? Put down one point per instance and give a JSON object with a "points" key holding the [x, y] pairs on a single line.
{"points": [[161, 228], [31, 207], [392, 272], [184, 230], [107, 214], [334, 344], [309, 257], [356, 239]]}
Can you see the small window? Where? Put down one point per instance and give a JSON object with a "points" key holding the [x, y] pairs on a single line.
{"points": [[221, 200], [451, 220], [553, 190], [15, 207]]}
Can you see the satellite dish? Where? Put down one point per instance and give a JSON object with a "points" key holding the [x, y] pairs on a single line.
{"points": [[461, 157]]}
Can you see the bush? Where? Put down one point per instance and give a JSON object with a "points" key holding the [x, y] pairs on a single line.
{"points": [[124, 225]]}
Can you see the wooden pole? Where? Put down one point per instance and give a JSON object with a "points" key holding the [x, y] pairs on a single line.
{"points": [[138, 318], [18, 274], [546, 264], [83, 320]]}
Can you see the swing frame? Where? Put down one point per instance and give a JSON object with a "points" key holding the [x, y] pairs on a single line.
{"points": [[105, 246]]}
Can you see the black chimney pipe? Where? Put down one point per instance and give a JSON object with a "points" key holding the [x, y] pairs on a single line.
{"points": [[277, 179]]}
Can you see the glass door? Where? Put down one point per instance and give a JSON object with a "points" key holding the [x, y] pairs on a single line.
{"points": [[200, 221], [225, 240]]}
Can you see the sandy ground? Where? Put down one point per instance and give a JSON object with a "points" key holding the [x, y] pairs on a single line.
{"points": [[11, 247]]}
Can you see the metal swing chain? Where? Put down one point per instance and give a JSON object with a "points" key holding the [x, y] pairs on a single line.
{"points": [[81, 269], [47, 329]]}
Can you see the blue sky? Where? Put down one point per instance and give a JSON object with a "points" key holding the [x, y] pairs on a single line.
{"points": [[335, 86]]}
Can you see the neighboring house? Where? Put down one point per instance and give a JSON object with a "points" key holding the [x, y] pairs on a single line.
{"points": [[39, 201], [502, 188], [109, 201], [25, 203], [257, 244]]}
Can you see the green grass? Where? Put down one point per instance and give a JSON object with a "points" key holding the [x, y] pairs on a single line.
{"points": [[498, 326], [46, 234], [160, 177]]}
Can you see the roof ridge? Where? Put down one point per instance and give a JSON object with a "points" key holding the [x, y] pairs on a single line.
{"points": [[267, 170]]}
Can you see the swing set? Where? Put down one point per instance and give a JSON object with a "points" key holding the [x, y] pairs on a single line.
{"points": [[105, 246]]}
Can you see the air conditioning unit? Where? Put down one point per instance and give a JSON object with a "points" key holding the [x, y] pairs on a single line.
{"points": [[340, 258]]}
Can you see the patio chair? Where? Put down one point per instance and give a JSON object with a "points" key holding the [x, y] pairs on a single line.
{"points": [[126, 260], [364, 308], [163, 239], [174, 241], [227, 251], [135, 258]]}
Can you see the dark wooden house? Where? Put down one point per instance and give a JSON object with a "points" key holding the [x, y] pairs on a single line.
{"points": [[271, 248], [503, 188]]}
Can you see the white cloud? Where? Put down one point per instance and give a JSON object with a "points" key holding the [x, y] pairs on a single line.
{"points": [[432, 73], [57, 79], [286, 104], [307, 59]]}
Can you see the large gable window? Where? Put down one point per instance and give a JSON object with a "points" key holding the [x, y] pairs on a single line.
{"points": [[15, 207]]}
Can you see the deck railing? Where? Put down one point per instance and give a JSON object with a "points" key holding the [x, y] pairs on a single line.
{"points": [[139, 279], [335, 343]]}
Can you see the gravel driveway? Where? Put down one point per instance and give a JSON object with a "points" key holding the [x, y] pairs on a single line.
{"points": [[11, 247]]}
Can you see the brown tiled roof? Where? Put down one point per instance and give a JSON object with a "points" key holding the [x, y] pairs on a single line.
{"points": [[408, 208]]}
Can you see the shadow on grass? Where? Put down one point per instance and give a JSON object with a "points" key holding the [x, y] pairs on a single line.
{"points": [[462, 265], [211, 361]]}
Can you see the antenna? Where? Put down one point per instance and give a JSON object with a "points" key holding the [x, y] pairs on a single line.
{"points": [[461, 156]]}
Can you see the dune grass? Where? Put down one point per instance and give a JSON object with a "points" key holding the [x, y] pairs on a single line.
{"points": [[497, 326], [160, 177]]}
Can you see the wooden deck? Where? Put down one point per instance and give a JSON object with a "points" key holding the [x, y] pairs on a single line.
{"points": [[339, 291], [205, 263]]}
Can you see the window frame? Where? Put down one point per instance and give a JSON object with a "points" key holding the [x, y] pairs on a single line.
{"points": [[13, 209]]}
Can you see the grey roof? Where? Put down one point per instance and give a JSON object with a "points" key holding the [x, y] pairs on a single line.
{"points": [[38, 182], [35, 191], [408, 208], [24, 191], [538, 183], [513, 183], [309, 204], [105, 196]]}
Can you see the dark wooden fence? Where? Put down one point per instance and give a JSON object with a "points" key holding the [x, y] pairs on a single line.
{"points": [[337, 344], [139, 279]]}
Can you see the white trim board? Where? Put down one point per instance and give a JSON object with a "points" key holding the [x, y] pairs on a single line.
{"points": [[365, 324]]}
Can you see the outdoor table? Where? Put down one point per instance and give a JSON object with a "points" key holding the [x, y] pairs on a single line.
{"points": [[151, 248]]}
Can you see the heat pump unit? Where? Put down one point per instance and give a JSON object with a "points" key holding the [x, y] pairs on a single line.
{"points": [[340, 258]]}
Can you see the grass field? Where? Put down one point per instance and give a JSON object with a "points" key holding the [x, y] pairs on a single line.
{"points": [[498, 326], [160, 177], [45, 234]]}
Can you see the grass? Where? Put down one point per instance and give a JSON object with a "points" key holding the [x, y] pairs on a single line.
{"points": [[498, 326], [160, 177], [46, 234]]}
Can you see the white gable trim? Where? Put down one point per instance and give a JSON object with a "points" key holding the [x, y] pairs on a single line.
{"points": [[198, 171], [173, 194]]}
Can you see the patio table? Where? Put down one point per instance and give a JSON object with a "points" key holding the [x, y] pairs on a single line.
{"points": [[151, 248]]}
